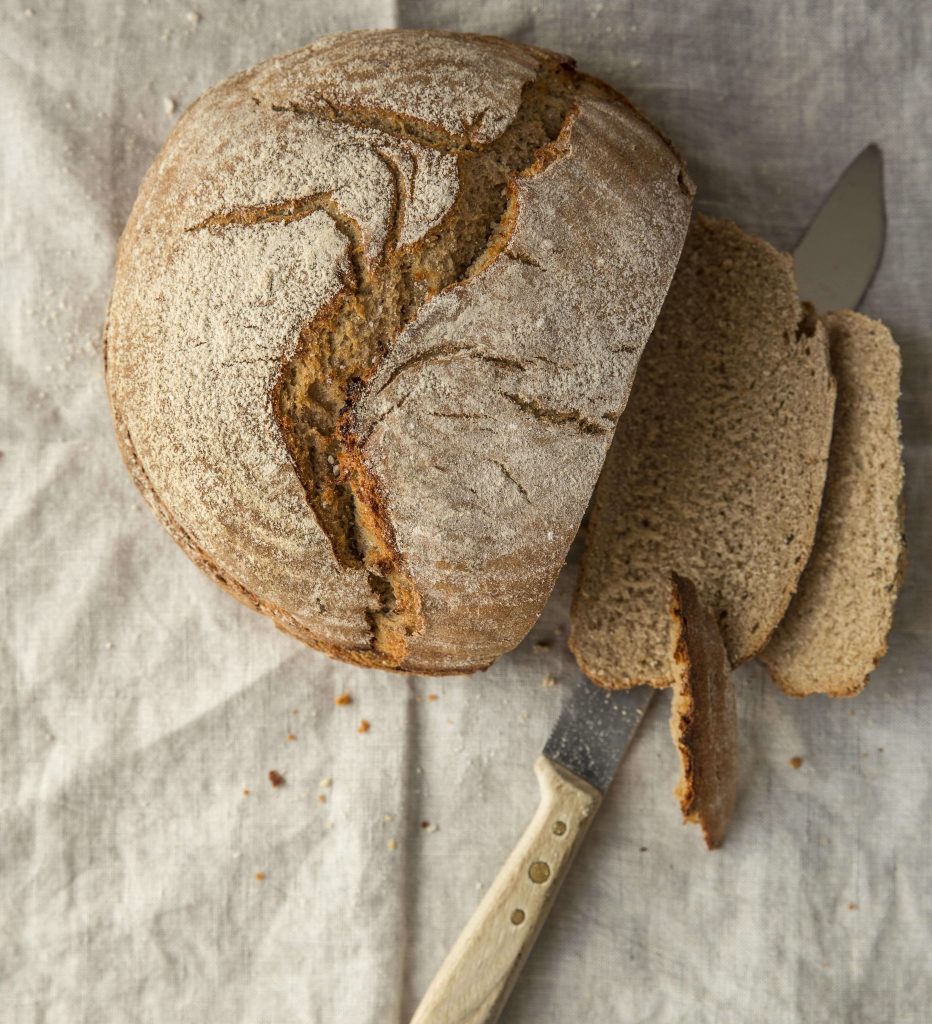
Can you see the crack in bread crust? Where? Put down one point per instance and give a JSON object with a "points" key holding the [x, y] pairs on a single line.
{"points": [[340, 349], [385, 121], [558, 416]]}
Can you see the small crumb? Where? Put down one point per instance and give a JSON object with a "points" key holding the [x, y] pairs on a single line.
{"points": [[388, 817], [643, 849], [169, 104], [432, 696], [326, 783], [343, 700], [432, 828], [276, 778], [364, 726], [392, 845], [880, 750], [194, 17], [549, 680], [853, 906], [246, 792], [291, 737], [260, 876], [796, 762], [425, 824], [542, 645], [321, 798], [108, 646]]}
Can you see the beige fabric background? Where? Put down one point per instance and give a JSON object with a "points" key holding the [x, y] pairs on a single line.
{"points": [[137, 701]]}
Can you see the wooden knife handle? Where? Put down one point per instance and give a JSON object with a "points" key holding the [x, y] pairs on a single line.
{"points": [[477, 977]]}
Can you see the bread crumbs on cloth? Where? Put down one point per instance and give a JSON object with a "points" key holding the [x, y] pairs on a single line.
{"points": [[343, 699], [276, 778], [364, 726]]}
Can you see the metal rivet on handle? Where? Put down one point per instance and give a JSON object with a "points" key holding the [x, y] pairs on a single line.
{"points": [[517, 916], [539, 872]]}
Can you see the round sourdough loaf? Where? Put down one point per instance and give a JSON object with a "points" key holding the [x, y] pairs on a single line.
{"points": [[377, 310]]}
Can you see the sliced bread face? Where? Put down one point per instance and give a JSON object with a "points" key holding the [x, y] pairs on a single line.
{"points": [[835, 630], [717, 467]]}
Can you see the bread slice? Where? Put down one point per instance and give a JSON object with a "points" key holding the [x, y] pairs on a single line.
{"points": [[703, 717], [835, 630], [717, 467]]}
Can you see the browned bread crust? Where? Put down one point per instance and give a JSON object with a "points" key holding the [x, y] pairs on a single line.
{"points": [[703, 717], [377, 309]]}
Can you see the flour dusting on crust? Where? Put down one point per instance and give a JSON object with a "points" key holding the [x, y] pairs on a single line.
{"points": [[485, 424]]}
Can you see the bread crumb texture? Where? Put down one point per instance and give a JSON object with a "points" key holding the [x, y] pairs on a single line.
{"points": [[835, 630], [703, 717], [718, 464], [377, 309]]}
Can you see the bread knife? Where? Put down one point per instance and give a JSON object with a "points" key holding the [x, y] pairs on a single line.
{"points": [[835, 262], [840, 251]]}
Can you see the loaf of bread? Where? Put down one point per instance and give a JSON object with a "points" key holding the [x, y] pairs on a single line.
{"points": [[377, 310], [835, 630], [703, 716], [717, 467]]}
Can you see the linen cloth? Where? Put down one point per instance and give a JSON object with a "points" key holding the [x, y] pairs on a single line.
{"points": [[138, 703]]}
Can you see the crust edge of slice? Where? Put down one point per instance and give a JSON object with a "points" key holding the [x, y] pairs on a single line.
{"points": [[703, 717]]}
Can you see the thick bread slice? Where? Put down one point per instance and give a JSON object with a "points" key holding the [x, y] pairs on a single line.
{"points": [[835, 630], [703, 717], [717, 467]]}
